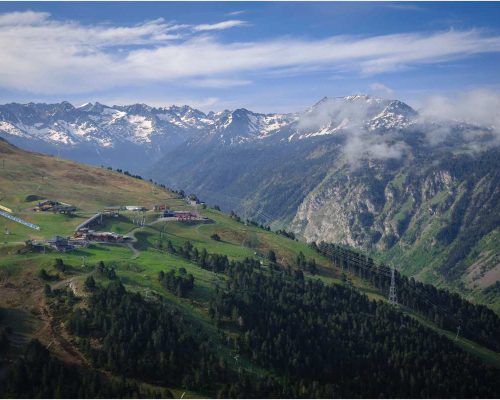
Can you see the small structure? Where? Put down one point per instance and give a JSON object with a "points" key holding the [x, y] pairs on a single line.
{"points": [[64, 244], [93, 218], [161, 207], [112, 211], [184, 215], [60, 244], [168, 214], [35, 246], [97, 218], [79, 242], [54, 206], [135, 208], [101, 237]]}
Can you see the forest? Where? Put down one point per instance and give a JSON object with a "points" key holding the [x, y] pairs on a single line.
{"points": [[40, 375], [330, 341], [150, 340], [312, 339], [448, 310], [318, 340]]}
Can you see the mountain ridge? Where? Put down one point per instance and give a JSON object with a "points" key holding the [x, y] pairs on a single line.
{"points": [[18, 116]]}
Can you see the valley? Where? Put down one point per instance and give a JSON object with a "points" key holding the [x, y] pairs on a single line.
{"points": [[249, 200], [250, 289], [370, 173]]}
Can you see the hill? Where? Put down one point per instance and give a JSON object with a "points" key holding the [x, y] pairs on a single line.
{"points": [[214, 305]]}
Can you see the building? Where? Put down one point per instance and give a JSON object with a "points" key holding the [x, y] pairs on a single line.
{"points": [[54, 206], [112, 211], [168, 214], [64, 244], [135, 208], [184, 215], [34, 246], [60, 244], [161, 207], [102, 237]]}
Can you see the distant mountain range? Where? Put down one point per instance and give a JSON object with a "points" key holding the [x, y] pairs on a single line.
{"points": [[139, 127], [368, 172]]}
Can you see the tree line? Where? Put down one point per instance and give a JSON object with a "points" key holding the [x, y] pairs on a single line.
{"points": [[448, 310], [330, 341]]}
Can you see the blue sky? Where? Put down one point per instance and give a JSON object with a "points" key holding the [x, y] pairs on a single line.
{"points": [[262, 56]]}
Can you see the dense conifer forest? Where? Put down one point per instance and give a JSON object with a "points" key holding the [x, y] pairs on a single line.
{"points": [[317, 340], [448, 310], [39, 375]]}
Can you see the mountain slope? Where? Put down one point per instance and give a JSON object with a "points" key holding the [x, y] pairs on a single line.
{"points": [[26, 173], [372, 174], [214, 307], [368, 172]]}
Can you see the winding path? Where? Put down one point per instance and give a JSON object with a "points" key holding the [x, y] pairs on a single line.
{"points": [[130, 244]]}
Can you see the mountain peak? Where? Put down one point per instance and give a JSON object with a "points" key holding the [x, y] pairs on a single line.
{"points": [[354, 98], [358, 96], [92, 107]]}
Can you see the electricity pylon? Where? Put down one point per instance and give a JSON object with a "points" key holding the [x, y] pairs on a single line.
{"points": [[393, 298]]}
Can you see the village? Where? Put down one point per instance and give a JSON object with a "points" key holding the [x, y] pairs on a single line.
{"points": [[88, 232]]}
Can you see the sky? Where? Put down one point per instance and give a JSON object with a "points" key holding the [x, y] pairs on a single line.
{"points": [[264, 56]]}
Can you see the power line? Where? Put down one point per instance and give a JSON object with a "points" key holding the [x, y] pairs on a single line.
{"points": [[393, 298], [342, 256]]}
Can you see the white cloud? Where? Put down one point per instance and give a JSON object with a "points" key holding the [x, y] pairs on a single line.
{"points": [[44, 55], [219, 83], [23, 18], [360, 145], [478, 106], [237, 12], [220, 25], [381, 90]]}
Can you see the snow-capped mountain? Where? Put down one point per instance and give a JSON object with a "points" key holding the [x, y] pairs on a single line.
{"points": [[136, 136], [121, 136], [107, 126], [357, 112], [98, 124]]}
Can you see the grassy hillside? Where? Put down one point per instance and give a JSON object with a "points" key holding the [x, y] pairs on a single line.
{"points": [[31, 313], [89, 188], [427, 213]]}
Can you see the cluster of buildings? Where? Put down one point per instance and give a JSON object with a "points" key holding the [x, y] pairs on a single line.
{"points": [[166, 212], [180, 215], [84, 235], [54, 206], [64, 244], [90, 235], [83, 238]]}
